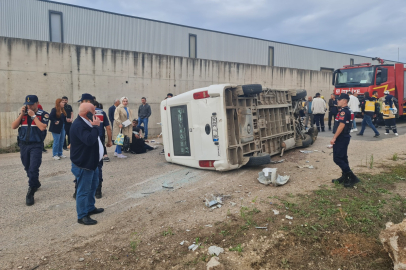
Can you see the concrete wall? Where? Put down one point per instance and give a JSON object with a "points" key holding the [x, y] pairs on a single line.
{"points": [[53, 70]]}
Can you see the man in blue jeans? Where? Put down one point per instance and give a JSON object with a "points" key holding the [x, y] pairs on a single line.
{"points": [[370, 110], [144, 112], [85, 153]]}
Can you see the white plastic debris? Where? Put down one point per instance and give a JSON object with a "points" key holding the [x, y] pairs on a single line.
{"points": [[181, 243], [276, 162], [288, 217], [193, 247], [281, 180], [214, 201], [306, 166], [269, 176], [306, 151], [276, 212], [215, 250]]}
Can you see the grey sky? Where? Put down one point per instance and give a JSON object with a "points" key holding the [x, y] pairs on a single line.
{"points": [[364, 27]]}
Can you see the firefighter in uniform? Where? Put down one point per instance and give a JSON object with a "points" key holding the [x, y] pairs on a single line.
{"points": [[30, 136], [341, 140]]}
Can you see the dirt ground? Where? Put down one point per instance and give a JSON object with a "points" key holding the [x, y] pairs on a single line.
{"points": [[143, 223]]}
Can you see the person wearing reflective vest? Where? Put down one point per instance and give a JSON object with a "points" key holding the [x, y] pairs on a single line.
{"points": [[389, 111], [32, 123], [341, 140], [369, 110]]}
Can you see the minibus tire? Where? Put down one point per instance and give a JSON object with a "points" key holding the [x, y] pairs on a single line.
{"points": [[300, 94], [259, 160], [313, 132], [251, 89], [307, 141]]}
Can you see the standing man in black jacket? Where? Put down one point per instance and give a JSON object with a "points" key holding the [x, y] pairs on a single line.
{"points": [[144, 112], [68, 124], [85, 153], [332, 109], [112, 110]]}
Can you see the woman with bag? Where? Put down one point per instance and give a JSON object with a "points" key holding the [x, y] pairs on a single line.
{"points": [[57, 118], [122, 114]]}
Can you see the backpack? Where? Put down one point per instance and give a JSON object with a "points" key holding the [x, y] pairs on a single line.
{"points": [[126, 144]]}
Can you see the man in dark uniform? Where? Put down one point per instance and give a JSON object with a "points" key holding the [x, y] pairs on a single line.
{"points": [[33, 122], [332, 110], [69, 115], [341, 140]]}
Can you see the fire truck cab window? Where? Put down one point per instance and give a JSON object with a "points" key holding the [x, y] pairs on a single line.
{"points": [[355, 77]]}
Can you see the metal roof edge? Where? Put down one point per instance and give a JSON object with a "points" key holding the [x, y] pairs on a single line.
{"points": [[181, 25]]}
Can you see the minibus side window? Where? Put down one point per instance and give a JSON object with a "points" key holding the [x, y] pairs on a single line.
{"points": [[180, 131]]}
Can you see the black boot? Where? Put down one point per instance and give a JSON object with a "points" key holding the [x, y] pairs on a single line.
{"points": [[29, 199], [76, 189], [99, 191], [351, 179], [339, 180]]}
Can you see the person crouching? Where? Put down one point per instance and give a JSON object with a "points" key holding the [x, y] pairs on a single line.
{"points": [[85, 153]]}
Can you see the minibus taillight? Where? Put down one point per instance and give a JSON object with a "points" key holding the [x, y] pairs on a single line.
{"points": [[200, 95], [206, 163]]}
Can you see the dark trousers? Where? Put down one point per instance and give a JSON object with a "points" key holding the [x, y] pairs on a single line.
{"points": [[31, 157], [390, 124], [67, 132], [100, 167], [331, 116], [340, 156], [87, 182], [367, 121], [319, 120]]}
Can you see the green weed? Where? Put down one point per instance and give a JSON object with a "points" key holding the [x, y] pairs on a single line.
{"points": [[168, 232], [238, 248]]}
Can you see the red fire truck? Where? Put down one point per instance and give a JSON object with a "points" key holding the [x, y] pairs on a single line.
{"points": [[365, 77]]}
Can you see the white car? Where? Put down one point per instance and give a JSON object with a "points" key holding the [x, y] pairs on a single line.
{"points": [[224, 127]]}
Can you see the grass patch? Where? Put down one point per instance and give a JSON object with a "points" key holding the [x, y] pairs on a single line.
{"points": [[168, 232], [395, 157], [238, 248]]}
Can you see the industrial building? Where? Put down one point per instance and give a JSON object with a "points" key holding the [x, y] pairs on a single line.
{"points": [[58, 22]]}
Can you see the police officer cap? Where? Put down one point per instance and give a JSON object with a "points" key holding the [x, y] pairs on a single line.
{"points": [[86, 97], [343, 96], [317, 94], [386, 92], [30, 99]]}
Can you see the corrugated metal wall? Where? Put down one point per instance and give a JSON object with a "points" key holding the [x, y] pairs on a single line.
{"points": [[29, 19]]}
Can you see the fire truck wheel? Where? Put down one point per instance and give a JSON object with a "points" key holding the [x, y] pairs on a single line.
{"points": [[307, 141], [300, 93], [259, 160], [251, 89]]}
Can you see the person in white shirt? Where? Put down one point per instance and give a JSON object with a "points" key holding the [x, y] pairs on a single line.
{"points": [[353, 104], [319, 109]]}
